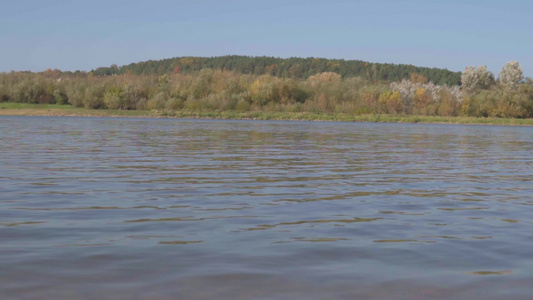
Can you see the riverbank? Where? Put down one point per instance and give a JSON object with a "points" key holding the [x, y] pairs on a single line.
{"points": [[20, 109]]}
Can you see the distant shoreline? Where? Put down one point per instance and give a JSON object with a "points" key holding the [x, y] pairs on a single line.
{"points": [[17, 109]]}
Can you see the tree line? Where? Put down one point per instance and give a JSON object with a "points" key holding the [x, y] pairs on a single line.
{"points": [[481, 94], [296, 68]]}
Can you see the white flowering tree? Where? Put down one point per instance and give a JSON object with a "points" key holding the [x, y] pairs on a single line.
{"points": [[324, 77], [511, 74], [408, 90], [474, 78]]}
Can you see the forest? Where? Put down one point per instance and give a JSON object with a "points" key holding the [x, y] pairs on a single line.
{"points": [[296, 68], [235, 83]]}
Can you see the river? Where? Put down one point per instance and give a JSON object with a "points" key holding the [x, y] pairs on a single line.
{"points": [[126, 208]]}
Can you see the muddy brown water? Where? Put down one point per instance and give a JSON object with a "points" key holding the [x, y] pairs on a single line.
{"points": [[99, 208]]}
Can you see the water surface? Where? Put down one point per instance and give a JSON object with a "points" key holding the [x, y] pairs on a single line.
{"points": [[96, 208]]}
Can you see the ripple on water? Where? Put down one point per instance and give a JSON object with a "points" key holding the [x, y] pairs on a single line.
{"points": [[196, 209]]}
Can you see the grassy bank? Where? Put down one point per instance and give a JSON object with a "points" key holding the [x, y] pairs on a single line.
{"points": [[24, 109], [21, 109]]}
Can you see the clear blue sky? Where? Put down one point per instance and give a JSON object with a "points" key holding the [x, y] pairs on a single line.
{"points": [[83, 35]]}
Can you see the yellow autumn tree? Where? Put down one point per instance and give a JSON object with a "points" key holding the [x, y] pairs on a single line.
{"points": [[418, 78], [449, 105], [423, 102], [391, 102]]}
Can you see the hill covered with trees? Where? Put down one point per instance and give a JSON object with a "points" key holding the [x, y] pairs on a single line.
{"points": [[295, 68], [236, 83]]}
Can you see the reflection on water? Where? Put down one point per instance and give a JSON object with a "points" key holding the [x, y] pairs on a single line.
{"points": [[187, 209]]}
